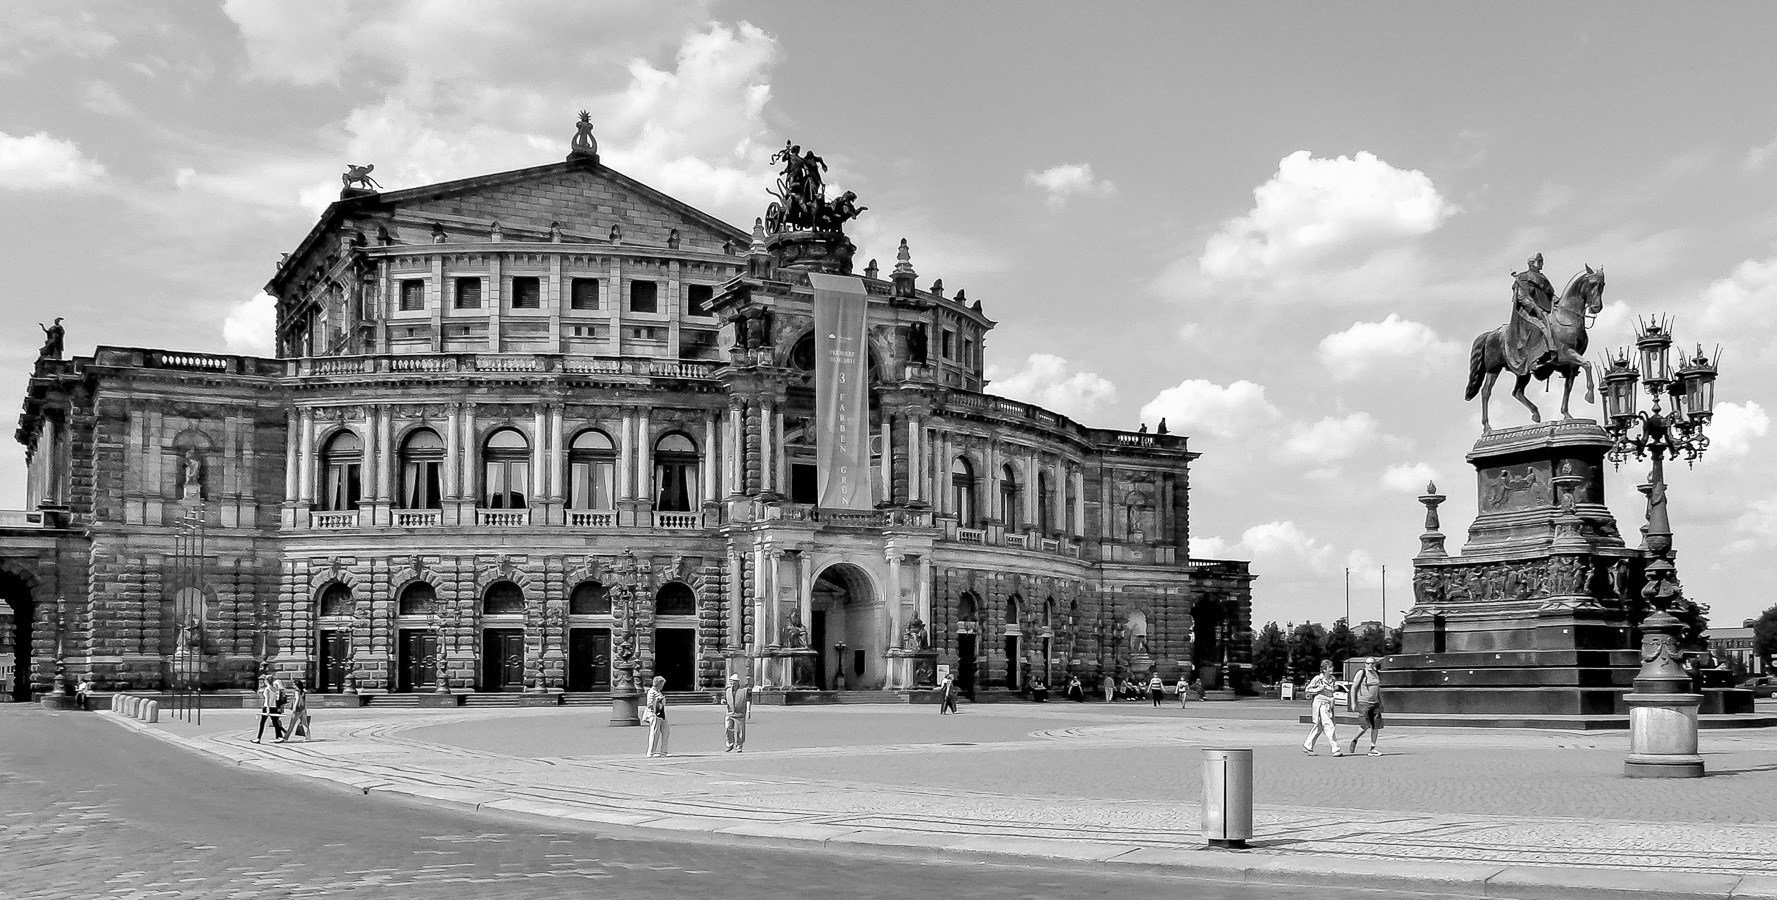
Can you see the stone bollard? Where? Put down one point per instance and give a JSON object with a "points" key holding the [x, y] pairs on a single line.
{"points": [[152, 714], [129, 706]]}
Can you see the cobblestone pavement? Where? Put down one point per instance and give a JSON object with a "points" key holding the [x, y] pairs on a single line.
{"points": [[1042, 776], [88, 810]]}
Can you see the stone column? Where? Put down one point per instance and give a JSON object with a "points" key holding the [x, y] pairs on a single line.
{"points": [[780, 475], [626, 461], [924, 600], [773, 583], [1077, 527], [887, 429], [385, 464], [804, 575], [644, 458], [540, 454], [767, 415], [558, 449], [916, 470], [1032, 497], [453, 453], [293, 457], [894, 598], [735, 459], [466, 489], [709, 457], [306, 459], [736, 597]]}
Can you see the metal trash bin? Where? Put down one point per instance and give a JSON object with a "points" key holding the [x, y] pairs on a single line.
{"points": [[1227, 797]]}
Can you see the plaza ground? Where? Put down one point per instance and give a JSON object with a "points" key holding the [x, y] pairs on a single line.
{"points": [[1505, 813]]}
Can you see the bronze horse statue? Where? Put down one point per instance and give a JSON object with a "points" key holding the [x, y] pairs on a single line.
{"points": [[1567, 331]]}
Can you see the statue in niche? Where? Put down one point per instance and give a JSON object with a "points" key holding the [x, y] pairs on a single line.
{"points": [[916, 636], [191, 476], [795, 635], [188, 635], [1619, 579], [916, 343], [52, 340]]}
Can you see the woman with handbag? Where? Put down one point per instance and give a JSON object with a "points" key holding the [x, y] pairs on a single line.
{"points": [[654, 714]]}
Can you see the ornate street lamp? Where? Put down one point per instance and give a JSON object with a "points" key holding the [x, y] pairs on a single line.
{"points": [[624, 695], [1662, 709]]}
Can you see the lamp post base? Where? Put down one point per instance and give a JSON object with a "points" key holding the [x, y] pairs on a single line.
{"points": [[1663, 736], [625, 711]]}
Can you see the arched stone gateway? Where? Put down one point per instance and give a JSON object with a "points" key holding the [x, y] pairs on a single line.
{"points": [[17, 612], [848, 610]]}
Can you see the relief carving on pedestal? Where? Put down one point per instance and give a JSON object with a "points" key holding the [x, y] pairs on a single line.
{"points": [[1514, 487]]}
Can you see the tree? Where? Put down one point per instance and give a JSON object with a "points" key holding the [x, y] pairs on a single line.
{"points": [[1307, 646], [1271, 654], [1764, 634], [1341, 644], [1373, 640]]}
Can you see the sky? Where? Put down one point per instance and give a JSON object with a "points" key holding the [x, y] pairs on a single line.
{"points": [[1279, 226]]}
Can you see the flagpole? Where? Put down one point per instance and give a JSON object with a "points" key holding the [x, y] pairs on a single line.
{"points": [[1348, 596], [1384, 601]]}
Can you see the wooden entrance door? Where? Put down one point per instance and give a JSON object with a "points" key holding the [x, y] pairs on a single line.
{"points": [[589, 659], [965, 665], [416, 661], [675, 657], [502, 659], [335, 661]]}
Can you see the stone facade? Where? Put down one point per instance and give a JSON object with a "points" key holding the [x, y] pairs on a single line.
{"points": [[504, 406]]}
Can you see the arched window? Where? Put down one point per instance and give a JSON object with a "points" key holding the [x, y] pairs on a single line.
{"points": [[675, 474], [592, 471], [422, 462], [1049, 613], [341, 461], [1045, 503], [417, 599], [675, 599], [336, 600], [1014, 610], [503, 598], [506, 463], [962, 492], [1009, 497], [965, 607], [589, 599]]}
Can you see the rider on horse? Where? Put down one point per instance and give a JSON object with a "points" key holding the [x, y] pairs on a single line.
{"points": [[1528, 339]]}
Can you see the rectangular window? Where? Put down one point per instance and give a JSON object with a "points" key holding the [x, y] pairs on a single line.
{"points": [[583, 331], [804, 484], [644, 296], [949, 349], [584, 294], [420, 484], [646, 333], [342, 487], [413, 294], [592, 484], [968, 352], [507, 481], [527, 292], [697, 299], [468, 293]]}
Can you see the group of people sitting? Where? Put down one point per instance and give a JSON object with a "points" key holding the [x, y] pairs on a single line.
{"points": [[1129, 688]]}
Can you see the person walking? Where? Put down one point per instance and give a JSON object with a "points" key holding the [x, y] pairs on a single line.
{"points": [[658, 730], [271, 709], [1321, 691], [299, 712], [1366, 696], [947, 695], [1156, 689], [738, 701], [1184, 690]]}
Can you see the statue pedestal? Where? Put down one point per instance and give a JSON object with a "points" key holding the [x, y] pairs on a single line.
{"points": [[911, 670], [1530, 620], [1663, 736]]}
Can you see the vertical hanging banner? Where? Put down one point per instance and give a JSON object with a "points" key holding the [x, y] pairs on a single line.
{"points": [[841, 401]]}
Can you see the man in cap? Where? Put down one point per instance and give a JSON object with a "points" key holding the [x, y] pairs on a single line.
{"points": [[738, 701], [1366, 699]]}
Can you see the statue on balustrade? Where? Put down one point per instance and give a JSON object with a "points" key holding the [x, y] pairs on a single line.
{"points": [[52, 340]]}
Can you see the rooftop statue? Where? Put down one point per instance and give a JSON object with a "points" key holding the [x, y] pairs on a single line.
{"points": [[801, 193], [358, 177], [1544, 336], [583, 143], [52, 340]]}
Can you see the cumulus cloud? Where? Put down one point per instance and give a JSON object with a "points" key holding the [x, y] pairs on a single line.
{"points": [[1333, 437], [1745, 297], [1408, 478], [1048, 381], [1390, 345], [1316, 214], [40, 162], [1069, 180], [1736, 426], [1195, 406], [450, 90], [34, 32], [1279, 542], [251, 326]]}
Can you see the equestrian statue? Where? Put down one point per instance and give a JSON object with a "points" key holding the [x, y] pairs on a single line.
{"points": [[1544, 336]]}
